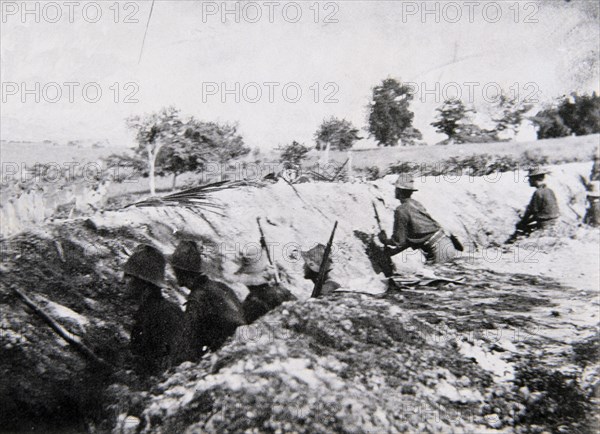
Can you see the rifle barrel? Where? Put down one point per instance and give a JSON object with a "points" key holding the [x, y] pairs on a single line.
{"points": [[323, 268]]}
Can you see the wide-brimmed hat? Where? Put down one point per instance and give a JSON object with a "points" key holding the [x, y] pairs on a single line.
{"points": [[254, 263], [405, 182], [537, 171], [187, 256], [594, 190], [146, 263], [314, 257]]}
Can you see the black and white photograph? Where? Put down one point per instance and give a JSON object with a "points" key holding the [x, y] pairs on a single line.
{"points": [[348, 216]]}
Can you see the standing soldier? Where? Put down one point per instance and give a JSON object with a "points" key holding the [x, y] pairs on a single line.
{"points": [[415, 228], [157, 321], [542, 211], [312, 263], [212, 312], [265, 292], [592, 215]]}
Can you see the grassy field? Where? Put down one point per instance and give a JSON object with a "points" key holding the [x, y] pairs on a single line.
{"points": [[565, 149]]}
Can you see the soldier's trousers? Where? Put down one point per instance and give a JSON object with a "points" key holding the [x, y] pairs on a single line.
{"points": [[440, 251]]}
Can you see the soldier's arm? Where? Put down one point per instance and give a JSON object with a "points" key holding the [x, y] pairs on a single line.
{"points": [[399, 240], [531, 210]]}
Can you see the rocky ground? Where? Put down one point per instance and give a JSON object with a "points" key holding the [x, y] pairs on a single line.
{"points": [[514, 348]]}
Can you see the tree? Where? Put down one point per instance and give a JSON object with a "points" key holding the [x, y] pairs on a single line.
{"points": [[336, 133], [153, 132], [454, 121], [550, 124], [203, 142], [126, 166], [389, 115], [510, 115], [581, 113], [293, 154], [221, 141], [451, 119]]}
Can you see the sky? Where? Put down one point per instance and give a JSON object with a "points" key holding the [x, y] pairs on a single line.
{"points": [[277, 69]]}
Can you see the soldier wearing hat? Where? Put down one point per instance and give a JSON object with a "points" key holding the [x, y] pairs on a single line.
{"points": [[265, 292], [542, 211], [415, 228], [312, 264], [592, 214], [157, 320], [212, 312]]}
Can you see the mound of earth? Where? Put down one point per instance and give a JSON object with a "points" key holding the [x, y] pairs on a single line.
{"points": [[507, 350]]}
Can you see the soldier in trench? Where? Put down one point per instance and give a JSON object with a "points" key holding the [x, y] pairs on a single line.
{"points": [[415, 228], [542, 212], [213, 311], [157, 320], [312, 263], [265, 293]]}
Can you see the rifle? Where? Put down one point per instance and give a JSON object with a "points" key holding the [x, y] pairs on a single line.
{"points": [[263, 243], [377, 216], [323, 268], [74, 341], [386, 264]]}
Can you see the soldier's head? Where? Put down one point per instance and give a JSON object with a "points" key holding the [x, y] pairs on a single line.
{"points": [[254, 268], [537, 176], [144, 269], [405, 187], [312, 261], [187, 262]]}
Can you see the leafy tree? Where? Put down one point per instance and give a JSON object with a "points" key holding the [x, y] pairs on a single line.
{"points": [[454, 121], [126, 166], [581, 113], [550, 124], [153, 132], [450, 119], [336, 133], [203, 142], [219, 141], [293, 154], [411, 136], [511, 114], [389, 115]]}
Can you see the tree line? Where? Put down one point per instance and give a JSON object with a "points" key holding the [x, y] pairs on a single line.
{"points": [[167, 143]]}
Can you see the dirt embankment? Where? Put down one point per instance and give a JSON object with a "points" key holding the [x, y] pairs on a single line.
{"points": [[507, 350]]}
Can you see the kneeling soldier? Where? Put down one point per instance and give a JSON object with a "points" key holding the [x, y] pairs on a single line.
{"points": [[212, 312], [157, 321], [265, 293], [415, 228], [542, 211]]}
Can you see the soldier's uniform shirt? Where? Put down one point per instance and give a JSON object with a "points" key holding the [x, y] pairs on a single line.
{"points": [[264, 298], [543, 207], [156, 327], [212, 314], [413, 226], [592, 215]]}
